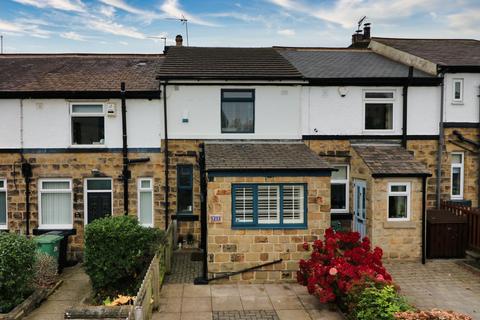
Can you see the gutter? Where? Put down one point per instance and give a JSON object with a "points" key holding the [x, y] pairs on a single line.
{"points": [[78, 95], [441, 143]]}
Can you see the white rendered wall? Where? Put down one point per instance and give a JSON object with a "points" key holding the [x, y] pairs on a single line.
{"points": [[468, 110], [423, 114], [277, 112], [47, 124]]}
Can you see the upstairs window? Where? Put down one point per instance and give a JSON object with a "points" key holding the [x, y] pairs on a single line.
{"points": [[185, 189], [269, 205], [399, 201], [55, 204], [456, 178], [339, 189], [378, 109], [238, 111], [457, 91], [3, 204], [145, 202], [88, 124]]}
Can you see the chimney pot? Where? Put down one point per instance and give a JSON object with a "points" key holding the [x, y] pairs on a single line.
{"points": [[179, 40], [366, 31]]}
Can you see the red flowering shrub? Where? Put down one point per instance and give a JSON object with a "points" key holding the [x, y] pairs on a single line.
{"points": [[339, 262]]}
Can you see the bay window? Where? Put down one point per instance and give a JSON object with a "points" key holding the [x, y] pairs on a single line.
{"points": [[55, 204]]}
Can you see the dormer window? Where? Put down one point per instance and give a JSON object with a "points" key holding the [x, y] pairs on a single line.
{"points": [[457, 91]]}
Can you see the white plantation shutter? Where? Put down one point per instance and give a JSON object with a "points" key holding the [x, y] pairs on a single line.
{"points": [[268, 204], [243, 204], [293, 204]]}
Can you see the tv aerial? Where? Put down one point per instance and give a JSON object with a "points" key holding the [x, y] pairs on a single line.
{"points": [[184, 21]]}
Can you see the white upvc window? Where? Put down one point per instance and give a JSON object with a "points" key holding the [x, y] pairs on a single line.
{"points": [[378, 110], [88, 124], [340, 189], [3, 205], [55, 204], [457, 175], [399, 201], [457, 95], [145, 201]]}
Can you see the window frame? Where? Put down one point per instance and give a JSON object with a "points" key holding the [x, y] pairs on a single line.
{"points": [[366, 101], [5, 189], [87, 115], [86, 191], [462, 175], [459, 100], [347, 189], [281, 225], [41, 191], [406, 193], [141, 189], [252, 100], [190, 187]]}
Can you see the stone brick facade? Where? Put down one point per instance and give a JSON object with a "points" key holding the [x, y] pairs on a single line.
{"points": [[78, 167], [235, 249]]}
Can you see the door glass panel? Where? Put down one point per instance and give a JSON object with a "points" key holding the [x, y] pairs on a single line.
{"points": [[456, 181], [99, 205], [3, 208], [338, 196], [99, 184]]}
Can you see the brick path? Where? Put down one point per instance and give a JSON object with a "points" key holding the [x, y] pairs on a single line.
{"points": [[184, 269], [439, 284], [75, 286], [240, 301]]}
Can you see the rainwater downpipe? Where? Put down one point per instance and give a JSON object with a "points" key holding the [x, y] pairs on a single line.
{"points": [[441, 142], [166, 158], [478, 154], [405, 107], [125, 171], [424, 218]]}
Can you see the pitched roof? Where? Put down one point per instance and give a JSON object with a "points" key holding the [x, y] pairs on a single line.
{"points": [[345, 63], [78, 72], [226, 63], [445, 52], [390, 161], [244, 155]]}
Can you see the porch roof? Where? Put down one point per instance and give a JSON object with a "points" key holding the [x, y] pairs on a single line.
{"points": [[391, 161], [244, 155]]}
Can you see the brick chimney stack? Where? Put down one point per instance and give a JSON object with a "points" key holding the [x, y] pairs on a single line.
{"points": [[179, 40], [361, 38]]}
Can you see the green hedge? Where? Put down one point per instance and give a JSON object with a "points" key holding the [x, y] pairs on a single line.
{"points": [[117, 253], [17, 258]]}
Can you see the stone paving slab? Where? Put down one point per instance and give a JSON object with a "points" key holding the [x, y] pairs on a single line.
{"points": [[442, 284]]}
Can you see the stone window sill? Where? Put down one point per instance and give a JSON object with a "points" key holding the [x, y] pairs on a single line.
{"points": [[399, 225]]}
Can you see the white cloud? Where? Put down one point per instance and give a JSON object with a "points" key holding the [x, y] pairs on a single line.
{"points": [[20, 28], [107, 11], [122, 5], [465, 22], [174, 10], [71, 35], [66, 5], [123, 43], [115, 28], [286, 32]]}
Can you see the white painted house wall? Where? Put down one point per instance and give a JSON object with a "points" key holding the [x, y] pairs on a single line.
{"points": [[423, 114], [47, 124], [468, 110], [277, 112]]}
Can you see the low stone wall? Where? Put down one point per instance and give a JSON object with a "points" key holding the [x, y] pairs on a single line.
{"points": [[236, 249]]}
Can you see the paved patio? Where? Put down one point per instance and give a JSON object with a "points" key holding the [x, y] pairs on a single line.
{"points": [[442, 284], [75, 286], [240, 301]]}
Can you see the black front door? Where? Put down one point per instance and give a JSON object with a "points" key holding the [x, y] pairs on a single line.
{"points": [[99, 205]]}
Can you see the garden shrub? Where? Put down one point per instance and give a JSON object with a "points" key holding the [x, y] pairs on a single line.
{"points": [[45, 270], [431, 315], [117, 253], [337, 263], [17, 257], [376, 302]]}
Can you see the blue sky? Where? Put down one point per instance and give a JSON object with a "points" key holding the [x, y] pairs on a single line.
{"points": [[129, 25]]}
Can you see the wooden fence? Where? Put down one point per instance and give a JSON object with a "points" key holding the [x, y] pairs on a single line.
{"points": [[148, 296], [473, 217]]}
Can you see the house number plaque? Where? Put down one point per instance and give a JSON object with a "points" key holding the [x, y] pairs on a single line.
{"points": [[216, 218]]}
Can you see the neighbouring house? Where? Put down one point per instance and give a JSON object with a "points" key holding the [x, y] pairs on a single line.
{"points": [[249, 152]]}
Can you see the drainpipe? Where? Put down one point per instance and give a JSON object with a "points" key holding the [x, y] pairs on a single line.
{"points": [[203, 218], [167, 187], [26, 168], [424, 217], [441, 142], [405, 107], [125, 171], [478, 154]]}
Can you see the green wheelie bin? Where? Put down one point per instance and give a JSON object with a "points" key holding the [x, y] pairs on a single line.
{"points": [[49, 244]]}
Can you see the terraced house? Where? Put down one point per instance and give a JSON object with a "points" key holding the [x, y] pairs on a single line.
{"points": [[248, 151]]}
